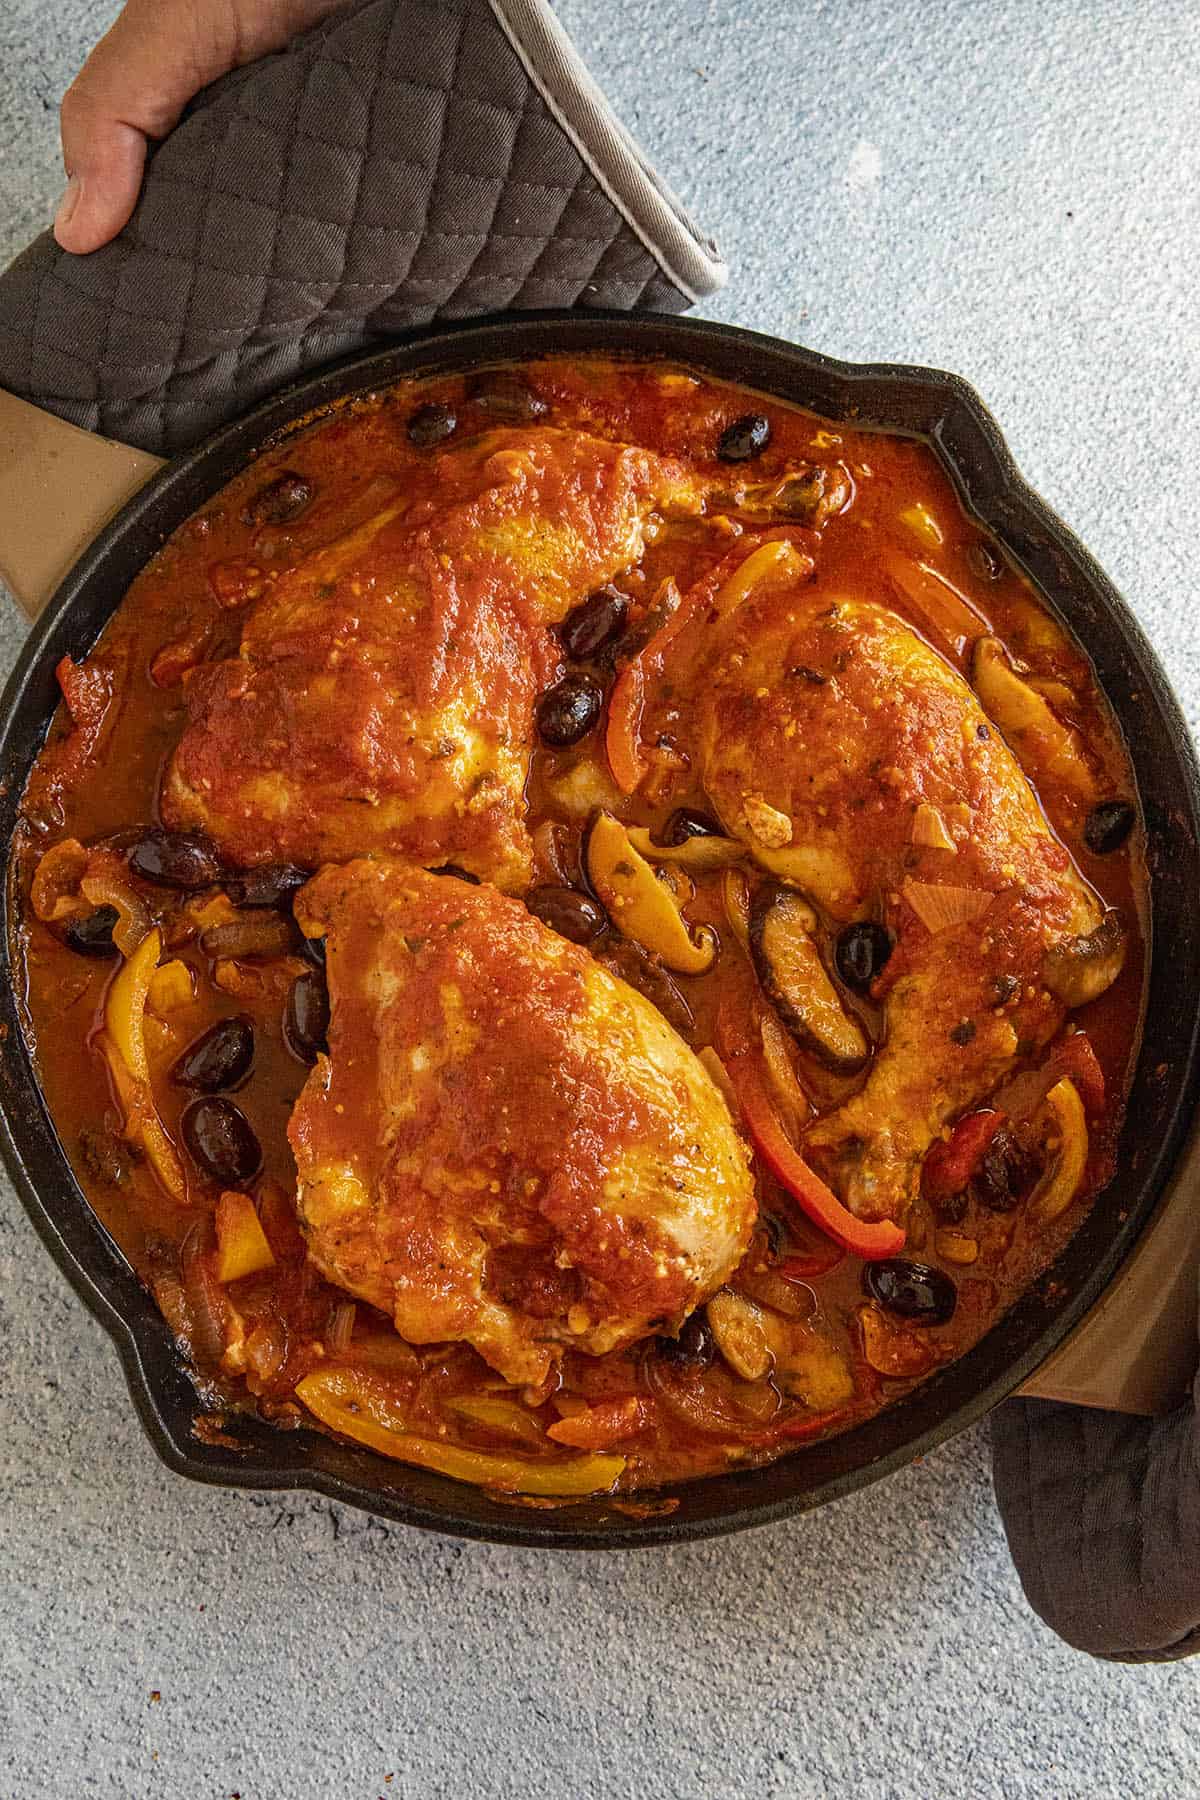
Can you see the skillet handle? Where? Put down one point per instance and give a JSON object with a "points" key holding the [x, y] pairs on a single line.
{"points": [[1137, 1350], [58, 487]]}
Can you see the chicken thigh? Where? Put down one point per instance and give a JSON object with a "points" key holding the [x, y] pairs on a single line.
{"points": [[383, 695], [858, 765], [506, 1145]]}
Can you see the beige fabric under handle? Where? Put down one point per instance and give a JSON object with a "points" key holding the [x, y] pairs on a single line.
{"points": [[58, 487]]}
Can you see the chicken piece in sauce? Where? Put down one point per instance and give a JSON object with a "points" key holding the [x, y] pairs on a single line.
{"points": [[857, 764], [383, 696], [506, 1145]]}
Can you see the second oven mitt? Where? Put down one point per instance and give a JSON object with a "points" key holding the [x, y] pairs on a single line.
{"points": [[1102, 1513], [405, 161]]}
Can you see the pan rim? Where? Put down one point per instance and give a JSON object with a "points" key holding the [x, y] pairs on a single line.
{"points": [[970, 446]]}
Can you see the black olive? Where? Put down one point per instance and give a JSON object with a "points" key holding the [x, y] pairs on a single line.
{"points": [[862, 950], [92, 933], [688, 822], [912, 1289], [280, 501], [985, 561], [220, 1139], [594, 624], [746, 437], [459, 874], [219, 1058], [178, 859], [507, 395], [1108, 825], [312, 949], [306, 1017], [273, 884], [567, 711], [1005, 1172], [692, 1349], [431, 425], [573, 915]]}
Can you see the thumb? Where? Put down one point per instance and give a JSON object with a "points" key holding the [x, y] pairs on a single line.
{"points": [[136, 83], [133, 86]]}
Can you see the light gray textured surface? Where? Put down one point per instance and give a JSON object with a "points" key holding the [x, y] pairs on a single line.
{"points": [[1011, 192]]}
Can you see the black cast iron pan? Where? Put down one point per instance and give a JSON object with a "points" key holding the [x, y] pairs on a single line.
{"points": [[936, 406]]}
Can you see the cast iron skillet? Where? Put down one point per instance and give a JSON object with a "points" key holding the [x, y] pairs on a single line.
{"points": [[935, 406]]}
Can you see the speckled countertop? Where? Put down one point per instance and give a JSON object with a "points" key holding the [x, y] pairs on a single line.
{"points": [[1009, 192]]}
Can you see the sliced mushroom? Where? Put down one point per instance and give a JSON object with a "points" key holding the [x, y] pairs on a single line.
{"points": [[1037, 736], [700, 855], [737, 1326], [639, 904], [793, 1103], [808, 1367], [794, 978], [810, 495], [1079, 969]]}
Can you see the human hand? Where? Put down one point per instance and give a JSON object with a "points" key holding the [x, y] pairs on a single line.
{"points": [[134, 86]]}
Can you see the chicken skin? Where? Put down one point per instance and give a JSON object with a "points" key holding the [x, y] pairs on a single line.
{"points": [[858, 765], [383, 695], [506, 1145]]}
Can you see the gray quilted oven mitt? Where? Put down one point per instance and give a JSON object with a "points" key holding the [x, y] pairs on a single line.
{"points": [[1102, 1513], [407, 160]]}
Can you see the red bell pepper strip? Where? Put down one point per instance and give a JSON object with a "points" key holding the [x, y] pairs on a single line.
{"points": [[949, 1166], [870, 1239], [796, 1430], [807, 1268], [1074, 1057]]}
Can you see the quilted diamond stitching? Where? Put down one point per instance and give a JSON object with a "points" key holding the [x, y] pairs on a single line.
{"points": [[395, 166]]}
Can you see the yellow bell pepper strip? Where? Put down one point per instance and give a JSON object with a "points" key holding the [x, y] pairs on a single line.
{"points": [[1066, 1108], [341, 1399], [242, 1247], [508, 1417], [125, 1005], [869, 1239], [123, 1042]]}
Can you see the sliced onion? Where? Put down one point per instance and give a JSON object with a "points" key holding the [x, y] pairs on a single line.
{"points": [[208, 1309], [340, 1329], [249, 935], [54, 891], [794, 1299], [693, 1400], [105, 885]]}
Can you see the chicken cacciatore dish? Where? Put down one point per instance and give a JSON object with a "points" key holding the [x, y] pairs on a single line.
{"points": [[582, 927]]}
